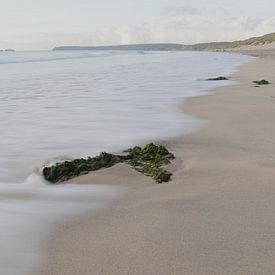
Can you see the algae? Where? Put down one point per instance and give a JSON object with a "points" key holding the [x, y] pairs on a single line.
{"points": [[261, 82], [147, 160], [218, 78]]}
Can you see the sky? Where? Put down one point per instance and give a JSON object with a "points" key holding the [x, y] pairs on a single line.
{"points": [[44, 24]]}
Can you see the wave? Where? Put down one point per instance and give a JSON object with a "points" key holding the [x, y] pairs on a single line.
{"points": [[71, 108], [32, 58], [36, 176]]}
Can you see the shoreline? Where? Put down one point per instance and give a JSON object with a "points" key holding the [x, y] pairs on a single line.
{"points": [[200, 223], [31, 203]]}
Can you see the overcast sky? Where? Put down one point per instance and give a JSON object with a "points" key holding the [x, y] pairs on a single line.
{"points": [[44, 24]]}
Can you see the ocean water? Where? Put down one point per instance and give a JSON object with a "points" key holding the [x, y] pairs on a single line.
{"points": [[56, 105]]}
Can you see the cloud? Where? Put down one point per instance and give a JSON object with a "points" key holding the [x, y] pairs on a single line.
{"points": [[179, 11], [170, 31], [207, 30]]}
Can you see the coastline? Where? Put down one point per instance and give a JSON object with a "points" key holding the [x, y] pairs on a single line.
{"points": [[213, 218]]}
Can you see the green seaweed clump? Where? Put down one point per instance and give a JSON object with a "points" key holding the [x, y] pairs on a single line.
{"points": [[218, 78], [67, 170], [148, 160], [261, 82]]}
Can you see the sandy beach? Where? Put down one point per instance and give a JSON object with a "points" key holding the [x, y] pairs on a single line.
{"points": [[217, 214]]}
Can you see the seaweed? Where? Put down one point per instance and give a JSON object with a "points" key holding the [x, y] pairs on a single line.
{"points": [[261, 82], [148, 161], [218, 78]]}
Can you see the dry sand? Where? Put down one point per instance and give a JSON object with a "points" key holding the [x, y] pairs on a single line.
{"points": [[217, 216]]}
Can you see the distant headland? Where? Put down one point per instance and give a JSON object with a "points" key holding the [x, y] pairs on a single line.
{"points": [[7, 50], [212, 46]]}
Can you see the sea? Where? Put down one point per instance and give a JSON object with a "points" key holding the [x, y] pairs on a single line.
{"points": [[57, 105]]}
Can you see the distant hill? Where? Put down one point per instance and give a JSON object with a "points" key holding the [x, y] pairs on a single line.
{"points": [[7, 50], [254, 41], [133, 47], [213, 46]]}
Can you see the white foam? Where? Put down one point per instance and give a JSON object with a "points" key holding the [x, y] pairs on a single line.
{"points": [[29, 212]]}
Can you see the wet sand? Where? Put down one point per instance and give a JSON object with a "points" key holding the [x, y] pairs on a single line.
{"points": [[217, 216]]}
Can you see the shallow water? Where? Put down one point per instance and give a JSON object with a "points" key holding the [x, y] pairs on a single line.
{"points": [[77, 104], [81, 103], [29, 214]]}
